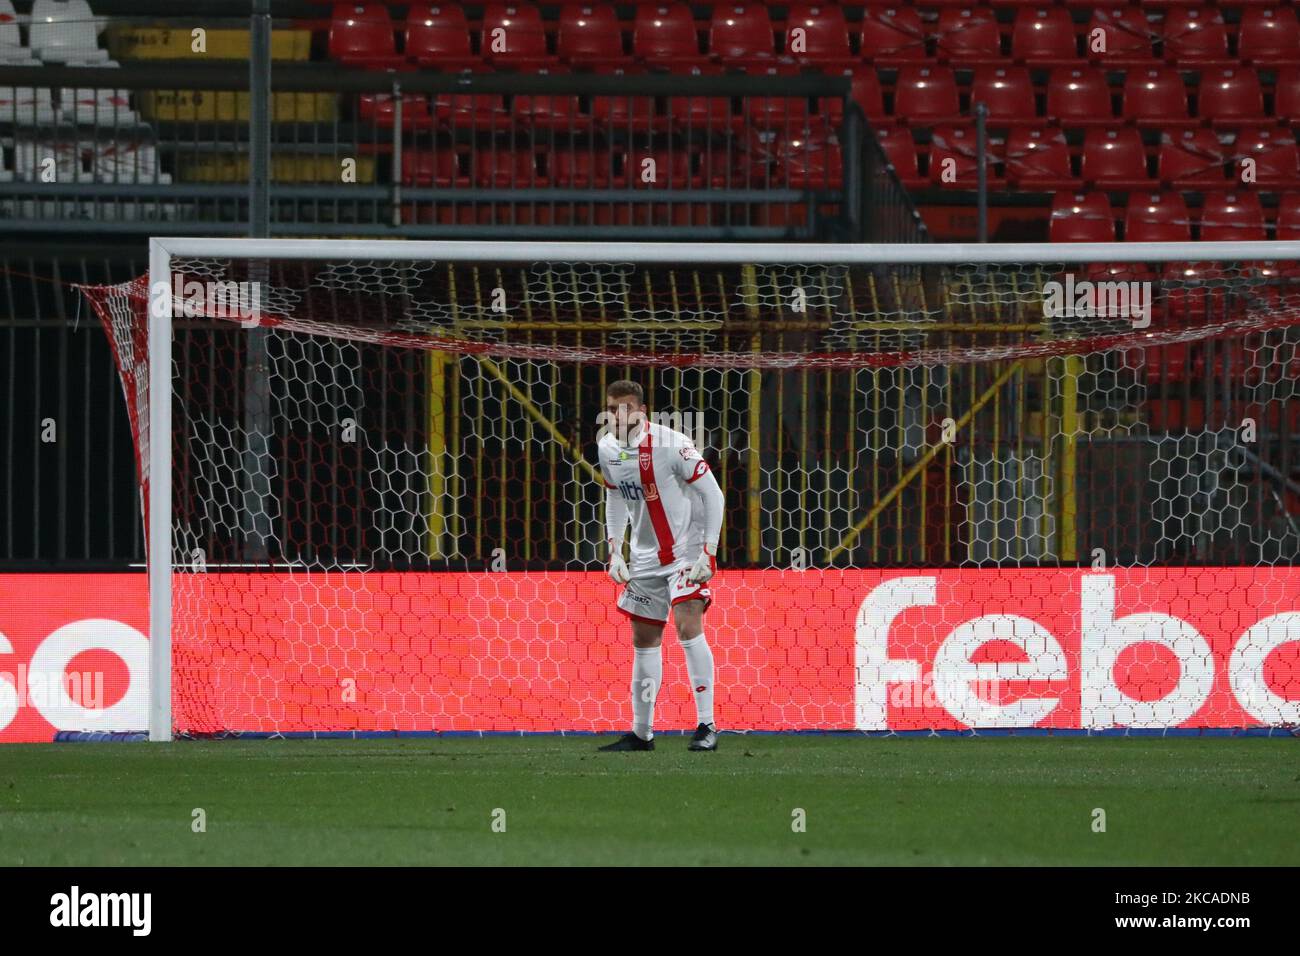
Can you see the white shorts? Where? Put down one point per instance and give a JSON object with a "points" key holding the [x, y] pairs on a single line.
{"points": [[652, 593]]}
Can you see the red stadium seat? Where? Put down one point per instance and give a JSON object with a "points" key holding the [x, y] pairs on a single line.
{"points": [[1119, 36], [1157, 217], [1007, 91], [1232, 97], [579, 168], [1192, 158], [704, 112], [506, 168], [900, 150], [776, 112], [741, 33], [1081, 217], [1269, 35], [817, 33], [1115, 159], [1277, 160], [1039, 159], [1044, 37], [665, 33], [361, 34], [438, 35], [969, 37], [590, 34], [1079, 97], [809, 159], [550, 110], [1232, 217], [1288, 216], [1196, 36], [381, 109], [513, 34], [624, 111], [659, 168], [954, 158], [926, 94], [1286, 95], [864, 91], [893, 35], [476, 111], [1156, 96], [441, 168]]}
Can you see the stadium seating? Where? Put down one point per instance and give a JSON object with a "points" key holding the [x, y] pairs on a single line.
{"points": [[1044, 37], [12, 50], [1157, 217], [514, 35], [438, 35], [590, 34], [818, 34], [664, 33], [741, 33], [1277, 160], [1286, 95], [1191, 159], [968, 37], [66, 31], [1115, 158], [1079, 97], [1231, 97], [1125, 35], [1288, 216], [925, 95], [954, 158], [1269, 35], [1081, 217], [900, 151], [1007, 92], [1039, 159], [1195, 36], [361, 35], [1232, 217], [1156, 97], [893, 35]]}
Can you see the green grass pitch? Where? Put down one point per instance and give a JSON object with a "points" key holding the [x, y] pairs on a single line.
{"points": [[1016, 801]]}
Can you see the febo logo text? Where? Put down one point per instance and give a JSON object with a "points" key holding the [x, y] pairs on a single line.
{"points": [[1080, 649]]}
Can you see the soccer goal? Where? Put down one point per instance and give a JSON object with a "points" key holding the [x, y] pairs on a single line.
{"points": [[1049, 487]]}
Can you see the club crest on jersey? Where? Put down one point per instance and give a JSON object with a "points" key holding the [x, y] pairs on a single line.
{"points": [[644, 459]]}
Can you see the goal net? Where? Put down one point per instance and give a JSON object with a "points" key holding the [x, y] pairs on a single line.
{"points": [[967, 487]]}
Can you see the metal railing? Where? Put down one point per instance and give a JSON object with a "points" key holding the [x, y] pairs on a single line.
{"points": [[130, 150]]}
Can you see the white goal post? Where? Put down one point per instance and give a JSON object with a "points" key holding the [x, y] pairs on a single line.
{"points": [[163, 305]]}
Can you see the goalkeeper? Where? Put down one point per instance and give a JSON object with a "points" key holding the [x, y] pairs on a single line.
{"points": [[656, 480]]}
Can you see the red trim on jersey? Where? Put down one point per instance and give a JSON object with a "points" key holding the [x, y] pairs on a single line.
{"points": [[650, 489], [699, 594], [699, 472], [638, 617]]}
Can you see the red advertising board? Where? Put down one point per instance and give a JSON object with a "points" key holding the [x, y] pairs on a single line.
{"points": [[903, 650]]}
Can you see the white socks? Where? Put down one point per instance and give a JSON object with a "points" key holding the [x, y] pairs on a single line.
{"points": [[699, 665], [647, 674]]}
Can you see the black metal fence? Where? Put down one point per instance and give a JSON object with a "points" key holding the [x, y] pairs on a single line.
{"points": [[131, 150]]}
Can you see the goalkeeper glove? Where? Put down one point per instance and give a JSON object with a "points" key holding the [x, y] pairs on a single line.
{"points": [[617, 566], [705, 565]]}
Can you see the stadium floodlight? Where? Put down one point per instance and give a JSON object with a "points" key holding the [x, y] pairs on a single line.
{"points": [[996, 485]]}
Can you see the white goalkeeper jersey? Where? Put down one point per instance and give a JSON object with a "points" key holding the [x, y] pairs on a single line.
{"points": [[666, 490]]}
